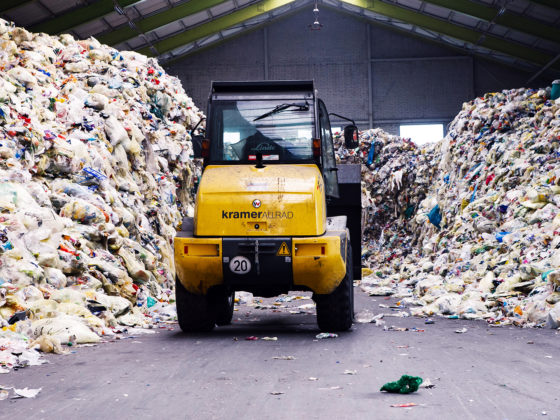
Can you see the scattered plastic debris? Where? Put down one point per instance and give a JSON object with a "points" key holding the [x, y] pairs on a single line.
{"points": [[325, 335], [27, 392], [365, 316], [284, 358], [427, 384], [402, 329], [405, 385], [18, 392]]}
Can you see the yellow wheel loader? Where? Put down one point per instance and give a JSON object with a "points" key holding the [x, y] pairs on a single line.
{"points": [[273, 211]]}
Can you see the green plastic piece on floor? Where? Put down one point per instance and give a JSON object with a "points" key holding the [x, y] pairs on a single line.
{"points": [[405, 385]]}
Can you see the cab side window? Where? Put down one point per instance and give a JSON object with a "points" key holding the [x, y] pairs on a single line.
{"points": [[327, 151]]}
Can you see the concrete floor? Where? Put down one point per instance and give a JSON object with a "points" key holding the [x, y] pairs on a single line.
{"points": [[484, 373]]}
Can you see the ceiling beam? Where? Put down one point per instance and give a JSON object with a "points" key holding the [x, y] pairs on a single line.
{"points": [[553, 4], [361, 17], [507, 18], [453, 30], [244, 31], [79, 16], [147, 24], [215, 26], [12, 4]]}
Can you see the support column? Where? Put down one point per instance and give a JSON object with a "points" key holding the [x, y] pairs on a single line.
{"points": [[265, 52], [369, 75]]}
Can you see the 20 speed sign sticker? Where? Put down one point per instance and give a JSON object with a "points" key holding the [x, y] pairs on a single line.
{"points": [[240, 265]]}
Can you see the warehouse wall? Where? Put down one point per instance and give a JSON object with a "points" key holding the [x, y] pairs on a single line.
{"points": [[375, 75]]}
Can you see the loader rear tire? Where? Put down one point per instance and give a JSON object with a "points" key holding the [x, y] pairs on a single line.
{"points": [[335, 312], [194, 312]]}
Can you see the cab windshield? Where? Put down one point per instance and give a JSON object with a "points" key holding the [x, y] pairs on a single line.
{"points": [[281, 130]]}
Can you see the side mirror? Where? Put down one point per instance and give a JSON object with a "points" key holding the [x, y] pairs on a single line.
{"points": [[197, 145], [351, 137]]}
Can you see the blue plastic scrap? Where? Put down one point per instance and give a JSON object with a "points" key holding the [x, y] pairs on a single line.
{"points": [[545, 274], [93, 173], [500, 236], [371, 154], [503, 208], [473, 171], [473, 196], [435, 216]]}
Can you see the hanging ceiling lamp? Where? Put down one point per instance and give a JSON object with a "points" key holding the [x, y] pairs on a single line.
{"points": [[316, 26]]}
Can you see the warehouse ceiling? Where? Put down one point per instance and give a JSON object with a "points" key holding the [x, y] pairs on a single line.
{"points": [[522, 33]]}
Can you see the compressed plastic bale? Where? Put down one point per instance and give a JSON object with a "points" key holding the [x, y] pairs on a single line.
{"points": [[42, 241], [47, 344], [30, 294], [46, 308], [486, 284], [113, 271], [482, 224], [14, 196], [115, 131], [554, 277], [132, 318], [77, 67], [472, 306], [537, 310], [68, 295], [23, 76], [424, 285], [82, 211], [553, 318], [33, 271], [99, 54], [546, 214], [116, 304], [448, 304], [64, 328], [528, 272], [508, 284], [74, 309], [455, 285], [532, 205], [127, 290], [135, 268], [55, 277]]}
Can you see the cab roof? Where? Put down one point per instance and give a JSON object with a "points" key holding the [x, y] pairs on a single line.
{"points": [[264, 86]]}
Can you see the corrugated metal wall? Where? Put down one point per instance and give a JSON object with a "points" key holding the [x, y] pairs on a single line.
{"points": [[412, 80]]}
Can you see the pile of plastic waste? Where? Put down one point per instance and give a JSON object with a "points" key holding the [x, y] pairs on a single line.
{"points": [[482, 238], [392, 189], [95, 174]]}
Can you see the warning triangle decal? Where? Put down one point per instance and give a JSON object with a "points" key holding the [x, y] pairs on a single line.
{"points": [[283, 251]]}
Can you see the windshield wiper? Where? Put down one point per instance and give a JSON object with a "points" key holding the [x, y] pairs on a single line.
{"points": [[282, 107]]}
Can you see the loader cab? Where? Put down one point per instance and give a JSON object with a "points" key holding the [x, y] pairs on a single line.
{"points": [[270, 123]]}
